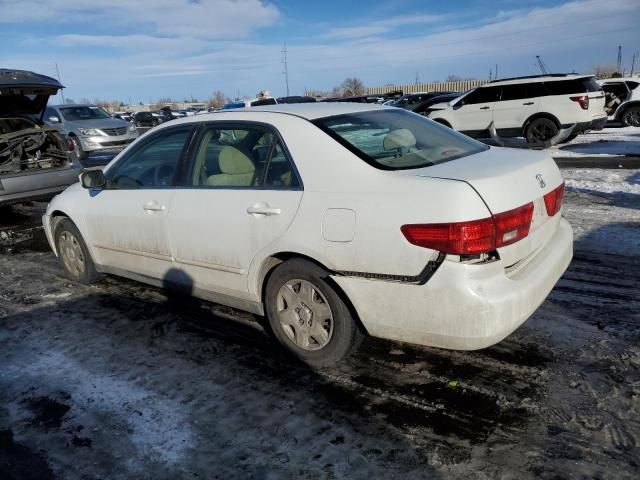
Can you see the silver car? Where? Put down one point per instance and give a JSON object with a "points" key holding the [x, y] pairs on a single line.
{"points": [[91, 128], [36, 161]]}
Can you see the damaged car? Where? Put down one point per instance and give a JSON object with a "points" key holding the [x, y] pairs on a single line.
{"points": [[622, 102], [36, 161]]}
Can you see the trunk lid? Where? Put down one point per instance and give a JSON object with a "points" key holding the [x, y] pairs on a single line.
{"points": [[25, 93], [506, 179]]}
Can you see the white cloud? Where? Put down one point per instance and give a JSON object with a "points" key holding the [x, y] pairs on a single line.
{"points": [[202, 18], [382, 26]]}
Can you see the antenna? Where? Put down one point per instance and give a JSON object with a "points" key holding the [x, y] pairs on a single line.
{"points": [[543, 67], [619, 67], [58, 72], [286, 70]]}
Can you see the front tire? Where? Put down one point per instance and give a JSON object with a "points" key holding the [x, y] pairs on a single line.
{"points": [[82, 155], [307, 316], [73, 254], [631, 117], [540, 130]]}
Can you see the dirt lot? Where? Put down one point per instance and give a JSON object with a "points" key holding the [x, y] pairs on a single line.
{"points": [[120, 380]]}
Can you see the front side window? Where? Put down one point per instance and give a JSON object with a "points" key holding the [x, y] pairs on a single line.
{"points": [[242, 157], [89, 112], [397, 139], [152, 165]]}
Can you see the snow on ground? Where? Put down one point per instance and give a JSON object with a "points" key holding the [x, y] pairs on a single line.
{"points": [[605, 142], [603, 206]]}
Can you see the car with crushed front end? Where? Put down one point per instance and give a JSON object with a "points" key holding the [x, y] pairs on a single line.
{"points": [[91, 128], [331, 219], [36, 161]]}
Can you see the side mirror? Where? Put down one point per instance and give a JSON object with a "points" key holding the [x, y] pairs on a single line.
{"points": [[54, 119], [93, 179]]}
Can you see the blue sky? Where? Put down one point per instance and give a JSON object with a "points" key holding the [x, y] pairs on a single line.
{"points": [[144, 50]]}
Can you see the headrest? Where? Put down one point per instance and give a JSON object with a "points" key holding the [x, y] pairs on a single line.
{"points": [[401, 138], [233, 162]]}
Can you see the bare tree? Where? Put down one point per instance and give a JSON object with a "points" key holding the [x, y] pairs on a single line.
{"points": [[453, 78], [605, 71], [353, 86], [218, 99], [336, 92], [69, 100]]}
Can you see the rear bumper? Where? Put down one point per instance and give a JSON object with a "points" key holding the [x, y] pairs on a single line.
{"points": [[464, 307]]}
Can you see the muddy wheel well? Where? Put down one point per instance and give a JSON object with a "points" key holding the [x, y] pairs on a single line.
{"points": [[273, 261]]}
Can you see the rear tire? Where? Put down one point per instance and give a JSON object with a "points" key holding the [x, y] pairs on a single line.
{"points": [[540, 130], [307, 315], [73, 254], [631, 117]]}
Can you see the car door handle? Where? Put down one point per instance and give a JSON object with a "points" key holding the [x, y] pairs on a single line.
{"points": [[485, 108], [528, 103], [153, 206], [263, 209]]}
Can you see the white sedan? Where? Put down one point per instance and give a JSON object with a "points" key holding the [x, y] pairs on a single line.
{"points": [[333, 220]]}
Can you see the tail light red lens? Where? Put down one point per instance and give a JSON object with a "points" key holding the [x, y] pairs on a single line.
{"points": [[553, 200], [458, 238], [473, 237], [583, 100], [513, 225]]}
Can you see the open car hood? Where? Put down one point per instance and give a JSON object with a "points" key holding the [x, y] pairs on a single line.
{"points": [[25, 93]]}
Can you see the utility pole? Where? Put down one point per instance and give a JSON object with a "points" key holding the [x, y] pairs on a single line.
{"points": [[417, 80], [496, 71], [633, 63], [286, 70], [490, 73], [619, 67], [58, 73], [543, 67]]}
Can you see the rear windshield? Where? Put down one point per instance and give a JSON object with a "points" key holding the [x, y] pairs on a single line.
{"points": [[71, 114], [395, 139]]}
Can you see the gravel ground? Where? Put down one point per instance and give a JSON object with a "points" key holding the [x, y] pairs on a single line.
{"points": [[123, 381]]}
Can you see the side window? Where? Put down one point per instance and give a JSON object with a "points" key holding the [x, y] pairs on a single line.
{"points": [[152, 165], [279, 172], [632, 85], [50, 112], [482, 95], [232, 157]]}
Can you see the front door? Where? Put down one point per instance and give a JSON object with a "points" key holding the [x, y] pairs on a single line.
{"points": [[127, 220], [474, 112], [242, 194]]}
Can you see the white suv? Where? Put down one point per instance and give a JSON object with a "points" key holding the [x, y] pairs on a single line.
{"points": [[622, 100], [535, 107]]}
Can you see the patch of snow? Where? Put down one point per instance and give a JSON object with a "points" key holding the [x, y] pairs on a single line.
{"points": [[605, 142], [603, 207]]}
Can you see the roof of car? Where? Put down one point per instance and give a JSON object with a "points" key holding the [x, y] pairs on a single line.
{"points": [[555, 77], [309, 111]]}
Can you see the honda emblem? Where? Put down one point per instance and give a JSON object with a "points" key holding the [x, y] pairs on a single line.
{"points": [[541, 181]]}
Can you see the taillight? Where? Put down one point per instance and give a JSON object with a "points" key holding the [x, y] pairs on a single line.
{"points": [[583, 100], [473, 237], [513, 225], [553, 200], [460, 238]]}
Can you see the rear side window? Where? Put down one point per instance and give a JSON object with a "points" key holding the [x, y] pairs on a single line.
{"points": [[395, 139], [521, 90], [242, 157], [632, 85], [568, 87]]}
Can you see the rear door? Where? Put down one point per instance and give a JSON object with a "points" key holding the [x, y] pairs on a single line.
{"points": [[241, 194], [517, 103], [473, 113]]}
